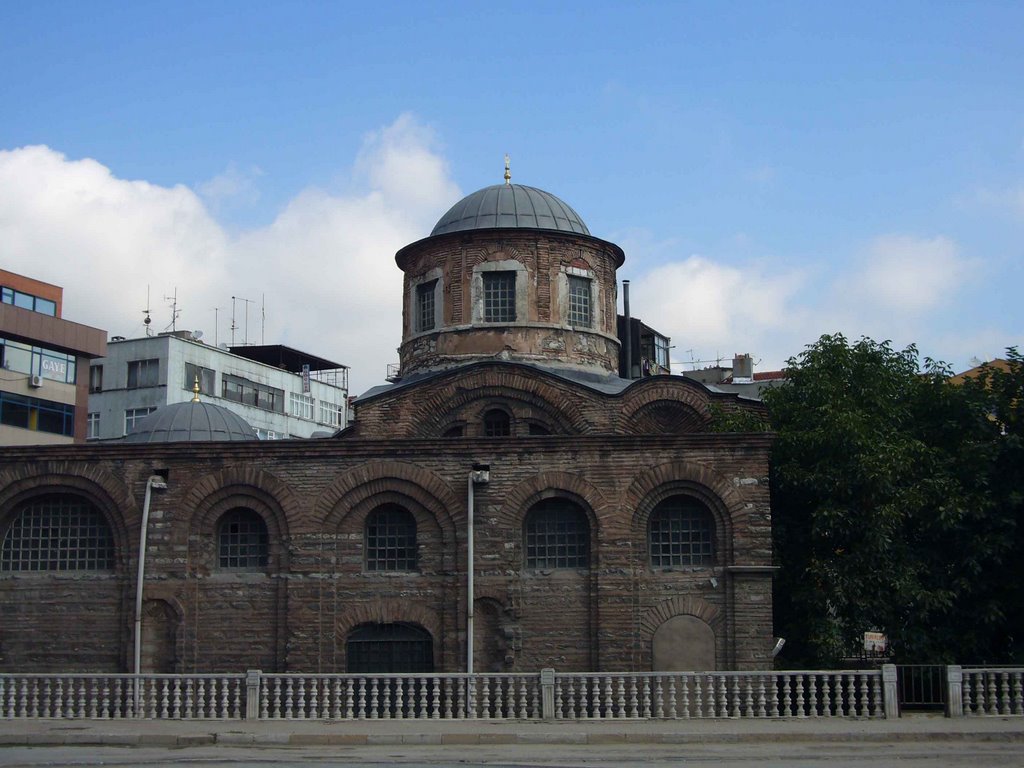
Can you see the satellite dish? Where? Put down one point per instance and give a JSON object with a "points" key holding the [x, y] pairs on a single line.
{"points": [[223, 346], [196, 335]]}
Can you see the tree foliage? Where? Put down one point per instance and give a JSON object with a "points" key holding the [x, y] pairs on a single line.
{"points": [[897, 505]]}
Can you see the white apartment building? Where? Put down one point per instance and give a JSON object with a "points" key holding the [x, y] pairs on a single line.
{"points": [[282, 392]]}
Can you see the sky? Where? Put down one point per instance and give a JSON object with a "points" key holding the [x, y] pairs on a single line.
{"points": [[774, 171]]}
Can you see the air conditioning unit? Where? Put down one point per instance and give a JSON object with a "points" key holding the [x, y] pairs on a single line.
{"points": [[35, 381]]}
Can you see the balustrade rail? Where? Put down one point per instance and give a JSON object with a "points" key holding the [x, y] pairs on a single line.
{"points": [[114, 697], [846, 693], [993, 690], [546, 695]]}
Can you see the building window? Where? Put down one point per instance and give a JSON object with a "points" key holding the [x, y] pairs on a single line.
{"points": [[557, 535], [242, 541], [580, 313], [37, 415], [92, 426], [497, 423], [661, 351], [96, 379], [28, 301], [133, 416], [143, 373], [680, 532], [425, 318], [38, 361], [499, 297], [58, 532], [389, 649], [242, 390], [391, 539], [330, 414], [206, 376], [302, 405]]}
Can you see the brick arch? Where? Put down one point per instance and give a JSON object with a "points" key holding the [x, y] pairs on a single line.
{"points": [[391, 610], [214, 494], [487, 251], [551, 485], [358, 488], [643, 395], [666, 417], [680, 605], [690, 479], [109, 495], [443, 405]]}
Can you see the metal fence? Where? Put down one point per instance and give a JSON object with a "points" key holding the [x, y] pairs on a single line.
{"points": [[548, 694]]}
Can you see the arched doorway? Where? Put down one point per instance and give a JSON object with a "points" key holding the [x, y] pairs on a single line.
{"points": [[389, 649]]}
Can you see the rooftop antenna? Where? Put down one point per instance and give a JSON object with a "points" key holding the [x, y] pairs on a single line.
{"points": [[245, 338], [148, 319], [216, 326], [263, 318], [508, 170], [174, 309]]}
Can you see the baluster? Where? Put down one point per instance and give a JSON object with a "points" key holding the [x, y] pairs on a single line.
{"points": [[434, 711], [447, 696], [201, 699], [1018, 698], [991, 706], [594, 706], [59, 703], [787, 696], [850, 699], [632, 709], [349, 698], [827, 694], [176, 698], [748, 696], [723, 696], [1004, 694], [698, 696], [620, 697], [22, 697], [163, 686], [374, 699], [863, 702], [119, 705], [659, 700], [396, 690], [762, 703], [673, 712], [224, 697], [799, 682], [334, 685], [485, 697], [314, 699], [289, 698], [420, 708], [522, 697]]}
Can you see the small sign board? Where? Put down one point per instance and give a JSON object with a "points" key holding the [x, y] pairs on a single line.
{"points": [[875, 642]]}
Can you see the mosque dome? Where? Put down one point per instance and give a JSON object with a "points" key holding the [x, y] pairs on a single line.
{"points": [[191, 422], [510, 206]]}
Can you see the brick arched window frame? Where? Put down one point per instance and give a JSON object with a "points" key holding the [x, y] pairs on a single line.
{"points": [[681, 532], [390, 539], [242, 540], [556, 534], [58, 532]]}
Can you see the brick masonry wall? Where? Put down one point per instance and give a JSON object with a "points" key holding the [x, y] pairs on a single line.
{"points": [[315, 496]]}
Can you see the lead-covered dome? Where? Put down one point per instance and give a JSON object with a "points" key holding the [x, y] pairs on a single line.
{"points": [[189, 423], [510, 206]]}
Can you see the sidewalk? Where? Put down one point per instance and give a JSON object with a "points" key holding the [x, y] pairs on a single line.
{"points": [[383, 732]]}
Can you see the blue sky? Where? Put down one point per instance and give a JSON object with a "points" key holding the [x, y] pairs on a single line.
{"points": [[774, 171]]}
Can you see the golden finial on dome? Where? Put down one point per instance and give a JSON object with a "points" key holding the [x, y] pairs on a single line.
{"points": [[508, 170], [195, 391]]}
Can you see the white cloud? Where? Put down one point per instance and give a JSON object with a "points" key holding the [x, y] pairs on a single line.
{"points": [[908, 275], [325, 265], [232, 187], [716, 310]]}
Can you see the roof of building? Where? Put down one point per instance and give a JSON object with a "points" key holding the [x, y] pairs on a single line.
{"points": [[510, 206], [191, 422], [288, 358]]}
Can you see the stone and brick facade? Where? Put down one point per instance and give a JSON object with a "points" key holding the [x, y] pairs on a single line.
{"points": [[616, 531]]}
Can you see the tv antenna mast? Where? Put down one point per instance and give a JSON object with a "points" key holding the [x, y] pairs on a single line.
{"points": [[147, 320], [173, 299], [245, 338]]}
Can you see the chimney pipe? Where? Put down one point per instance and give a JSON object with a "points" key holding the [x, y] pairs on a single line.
{"points": [[629, 329]]}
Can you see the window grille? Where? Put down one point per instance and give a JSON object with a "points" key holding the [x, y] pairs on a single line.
{"points": [[242, 540], [391, 539], [557, 535], [425, 306], [389, 649], [681, 532], [499, 297], [58, 532], [579, 302], [497, 424]]}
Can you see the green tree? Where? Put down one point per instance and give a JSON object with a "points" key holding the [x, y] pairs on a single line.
{"points": [[885, 506]]}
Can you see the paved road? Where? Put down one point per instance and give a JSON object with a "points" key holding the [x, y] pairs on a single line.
{"points": [[762, 755]]}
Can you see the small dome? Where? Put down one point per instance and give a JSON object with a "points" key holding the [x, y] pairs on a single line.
{"points": [[196, 422], [510, 206]]}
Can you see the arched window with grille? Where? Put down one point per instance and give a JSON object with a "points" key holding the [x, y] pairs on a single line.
{"points": [[557, 535], [497, 423], [58, 532], [389, 649], [391, 539], [242, 540], [680, 532]]}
